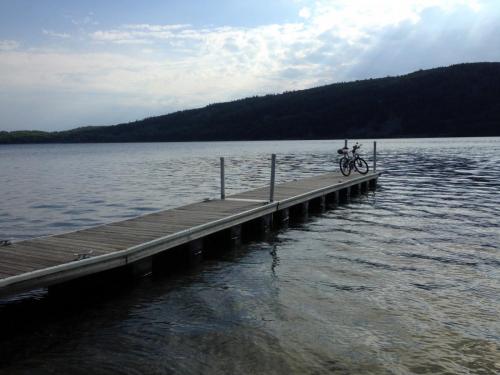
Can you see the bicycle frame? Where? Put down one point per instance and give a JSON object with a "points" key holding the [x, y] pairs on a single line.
{"points": [[352, 160]]}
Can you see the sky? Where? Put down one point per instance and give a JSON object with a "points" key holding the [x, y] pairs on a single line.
{"points": [[65, 64]]}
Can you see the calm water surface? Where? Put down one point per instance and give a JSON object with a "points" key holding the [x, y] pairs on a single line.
{"points": [[405, 280]]}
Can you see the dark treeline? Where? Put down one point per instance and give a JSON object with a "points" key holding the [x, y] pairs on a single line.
{"points": [[460, 100]]}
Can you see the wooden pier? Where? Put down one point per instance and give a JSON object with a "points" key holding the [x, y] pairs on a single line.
{"points": [[137, 242]]}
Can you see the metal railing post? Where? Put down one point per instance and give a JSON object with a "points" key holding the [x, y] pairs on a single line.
{"points": [[273, 176], [345, 143], [374, 156], [222, 180]]}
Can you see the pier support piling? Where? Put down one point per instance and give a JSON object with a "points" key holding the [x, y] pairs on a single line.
{"points": [[364, 187], [355, 190], [332, 199], [218, 243], [281, 218], [234, 236], [299, 212], [345, 195], [170, 261], [141, 267], [257, 228], [194, 252], [317, 205]]}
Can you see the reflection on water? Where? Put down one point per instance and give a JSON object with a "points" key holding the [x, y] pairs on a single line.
{"points": [[404, 280]]}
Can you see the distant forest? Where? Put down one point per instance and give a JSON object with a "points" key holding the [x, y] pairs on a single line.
{"points": [[460, 100]]}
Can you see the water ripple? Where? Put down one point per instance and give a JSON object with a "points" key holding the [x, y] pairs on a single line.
{"points": [[404, 280]]}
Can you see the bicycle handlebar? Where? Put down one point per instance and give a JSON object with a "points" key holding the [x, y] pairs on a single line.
{"points": [[356, 146]]}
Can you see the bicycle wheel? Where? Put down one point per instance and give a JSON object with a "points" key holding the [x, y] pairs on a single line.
{"points": [[361, 166], [345, 168]]}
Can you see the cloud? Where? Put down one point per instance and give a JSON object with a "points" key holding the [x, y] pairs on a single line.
{"points": [[332, 36], [119, 37], [156, 28], [144, 34], [55, 34], [440, 38], [87, 20], [305, 13], [8, 45]]}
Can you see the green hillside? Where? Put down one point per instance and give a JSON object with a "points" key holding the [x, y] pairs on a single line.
{"points": [[460, 100]]}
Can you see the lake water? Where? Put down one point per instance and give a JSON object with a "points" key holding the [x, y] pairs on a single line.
{"points": [[404, 280]]}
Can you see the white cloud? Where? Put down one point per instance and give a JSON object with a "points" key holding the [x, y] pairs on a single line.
{"points": [[305, 13], [145, 26], [144, 34], [87, 20], [355, 20], [8, 45], [55, 34]]}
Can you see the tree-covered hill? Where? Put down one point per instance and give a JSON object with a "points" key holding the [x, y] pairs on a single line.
{"points": [[460, 100]]}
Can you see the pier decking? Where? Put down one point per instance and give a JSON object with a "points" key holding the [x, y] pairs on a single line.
{"points": [[52, 260]]}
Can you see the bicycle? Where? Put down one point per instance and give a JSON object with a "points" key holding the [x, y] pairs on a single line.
{"points": [[348, 163]]}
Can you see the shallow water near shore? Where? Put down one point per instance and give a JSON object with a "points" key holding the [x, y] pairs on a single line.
{"points": [[404, 280]]}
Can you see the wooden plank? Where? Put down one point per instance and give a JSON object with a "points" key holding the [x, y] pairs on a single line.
{"points": [[5, 275], [123, 235], [214, 211], [21, 257], [137, 229], [7, 272], [154, 226], [58, 241], [161, 228], [20, 268], [220, 203], [74, 244], [188, 221], [210, 211], [42, 255], [41, 250], [100, 241], [15, 268], [180, 216], [64, 242], [202, 216], [15, 264], [69, 250]]}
